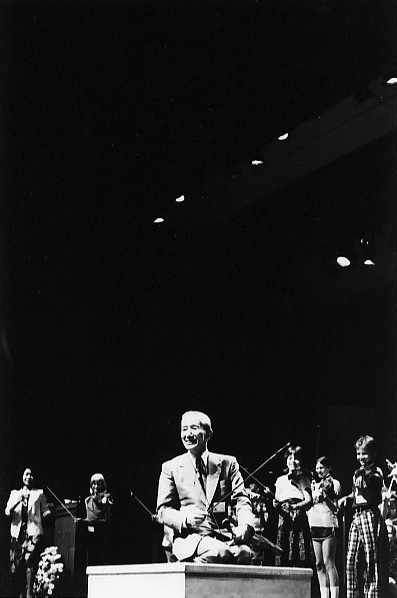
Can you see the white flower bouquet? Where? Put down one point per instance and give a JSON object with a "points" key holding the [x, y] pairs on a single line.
{"points": [[48, 573]]}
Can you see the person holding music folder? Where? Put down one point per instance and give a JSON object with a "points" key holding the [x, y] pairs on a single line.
{"points": [[292, 500], [368, 532], [323, 522], [195, 491], [26, 507]]}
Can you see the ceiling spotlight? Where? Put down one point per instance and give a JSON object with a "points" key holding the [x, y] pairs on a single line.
{"points": [[283, 137], [256, 162], [158, 220], [392, 81], [180, 198], [343, 261]]}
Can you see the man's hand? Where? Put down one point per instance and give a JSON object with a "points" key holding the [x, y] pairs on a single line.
{"points": [[195, 518], [243, 533]]}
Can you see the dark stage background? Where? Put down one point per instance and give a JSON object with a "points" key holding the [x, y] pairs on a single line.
{"points": [[112, 325]]}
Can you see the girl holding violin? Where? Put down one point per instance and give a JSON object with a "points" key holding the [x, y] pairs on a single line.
{"points": [[99, 504], [292, 499], [323, 522]]}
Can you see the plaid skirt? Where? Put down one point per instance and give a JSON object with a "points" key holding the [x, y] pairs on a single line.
{"points": [[294, 537]]}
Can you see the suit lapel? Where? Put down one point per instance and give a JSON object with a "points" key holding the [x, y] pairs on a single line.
{"points": [[187, 467], [191, 479], [214, 471]]}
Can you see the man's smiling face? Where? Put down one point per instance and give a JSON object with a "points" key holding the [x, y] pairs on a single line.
{"points": [[194, 436]]}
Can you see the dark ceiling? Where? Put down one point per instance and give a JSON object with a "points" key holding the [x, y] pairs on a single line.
{"points": [[143, 99]]}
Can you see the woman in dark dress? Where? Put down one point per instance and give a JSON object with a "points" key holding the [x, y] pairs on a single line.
{"points": [[98, 517], [292, 500]]}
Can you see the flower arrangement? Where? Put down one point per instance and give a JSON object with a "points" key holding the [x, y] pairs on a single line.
{"points": [[48, 572]]}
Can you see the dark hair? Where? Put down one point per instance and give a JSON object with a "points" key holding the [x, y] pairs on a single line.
{"points": [[293, 450], [324, 461], [28, 468], [366, 443]]}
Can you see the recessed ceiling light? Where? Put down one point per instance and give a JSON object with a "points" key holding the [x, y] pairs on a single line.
{"points": [[392, 81], [343, 262], [283, 137], [158, 220], [180, 198], [369, 263], [256, 162]]}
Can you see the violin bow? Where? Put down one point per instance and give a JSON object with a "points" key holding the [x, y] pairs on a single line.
{"points": [[318, 442], [265, 488]]}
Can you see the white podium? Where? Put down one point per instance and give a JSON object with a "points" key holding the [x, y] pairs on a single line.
{"points": [[188, 580]]}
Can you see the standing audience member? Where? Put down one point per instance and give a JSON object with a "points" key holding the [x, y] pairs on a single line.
{"points": [[367, 531], [292, 500], [26, 507], [323, 522], [192, 495]]}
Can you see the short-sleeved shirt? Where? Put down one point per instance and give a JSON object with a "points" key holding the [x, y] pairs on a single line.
{"points": [[320, 514], [286, 488]]}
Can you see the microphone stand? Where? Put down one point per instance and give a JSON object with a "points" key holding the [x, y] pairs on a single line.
{"points": [[62, 505], [144, 507]]}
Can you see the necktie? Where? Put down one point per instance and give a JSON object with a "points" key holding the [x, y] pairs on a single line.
{"points": [[201, 472]]}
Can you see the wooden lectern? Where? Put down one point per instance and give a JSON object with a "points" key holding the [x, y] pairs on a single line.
{"points": [[71, 538]]}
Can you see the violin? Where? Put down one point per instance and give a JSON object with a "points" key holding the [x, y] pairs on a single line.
{"points": [[103, 498], [299, 474], [323, 488], [366, 470], [362, 473], [257, 541], [295, 475]]}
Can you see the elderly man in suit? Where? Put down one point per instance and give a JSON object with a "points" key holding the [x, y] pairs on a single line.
{"points": [[193, 499]]}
